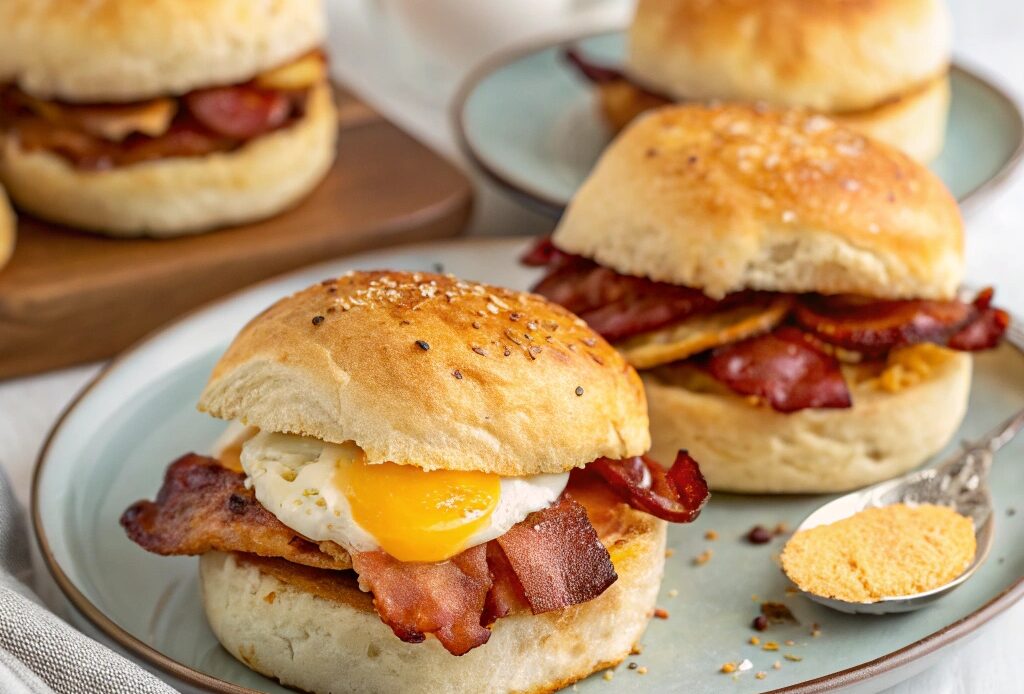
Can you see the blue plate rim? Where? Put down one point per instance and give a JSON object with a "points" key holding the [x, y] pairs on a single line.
{"points": [[854, 675], [540, 201]]}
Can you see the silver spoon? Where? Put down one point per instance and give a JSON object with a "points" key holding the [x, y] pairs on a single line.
{"points": [[961, 482]]}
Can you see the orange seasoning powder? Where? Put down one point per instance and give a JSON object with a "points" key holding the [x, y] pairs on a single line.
{"points": [[881, 552]]}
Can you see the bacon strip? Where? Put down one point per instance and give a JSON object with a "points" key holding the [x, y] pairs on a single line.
{"points": [[677, 495], [985, 328], [557, 557], [445, 599], [784, 368], [239, 111], [203, 506]]}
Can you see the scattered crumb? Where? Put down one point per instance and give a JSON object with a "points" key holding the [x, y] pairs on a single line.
{"points": [[608, 675], [759, 535], [755, 598], [669, 552], [754, 641], [760, 622], [761, 675], [637, 649], [711, 536], [777, 665], [815, 630], [770, 646], [777, 613], [641, 670], [781, 529], [792, 590], [660, 613], [702, 558], [728, 668], [632, 666], [790, 642], [794, 658], [673, 593], [745, 665]]}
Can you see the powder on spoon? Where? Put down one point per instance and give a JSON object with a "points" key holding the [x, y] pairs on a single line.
{"points": [[881, 552]]}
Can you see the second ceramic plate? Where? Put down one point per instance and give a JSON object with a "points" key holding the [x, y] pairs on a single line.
{"points": [[531, 124]]}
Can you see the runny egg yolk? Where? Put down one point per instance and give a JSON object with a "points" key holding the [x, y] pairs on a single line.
{"points": [[417, 515]]}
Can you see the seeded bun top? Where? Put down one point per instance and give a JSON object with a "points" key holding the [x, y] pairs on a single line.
{"points": [[829, 55], [734, 197], [131, 50], [427, 370]]}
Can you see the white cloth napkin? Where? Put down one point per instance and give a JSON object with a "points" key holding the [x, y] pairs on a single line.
{"points": [[39, 652]]}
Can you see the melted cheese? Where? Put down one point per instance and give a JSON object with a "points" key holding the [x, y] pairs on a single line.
{"points": [[702, 332], [298, 74], [110, 122], [907, 366]]}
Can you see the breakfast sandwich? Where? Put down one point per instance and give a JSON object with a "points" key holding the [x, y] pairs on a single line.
{"points": [[422, 468], [788, 287], [164, 117], [881, 67]]}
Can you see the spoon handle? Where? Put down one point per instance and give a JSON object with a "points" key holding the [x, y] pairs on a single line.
{"points": [[1001, 435]]}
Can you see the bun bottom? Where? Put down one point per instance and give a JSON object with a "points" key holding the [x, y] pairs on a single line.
{"points": [[291, 629], [914, 123], [748, 448], [179, 195]]}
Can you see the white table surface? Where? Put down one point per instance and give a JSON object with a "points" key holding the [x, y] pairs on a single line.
{"points": [[408, 89]]}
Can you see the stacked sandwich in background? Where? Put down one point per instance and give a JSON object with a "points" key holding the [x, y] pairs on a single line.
{"points": [[166, 117]]}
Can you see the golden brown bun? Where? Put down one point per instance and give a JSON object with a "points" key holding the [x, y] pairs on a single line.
{"points": [[914, 122], [8, 230], [179, 195], [126, 50], [731, 197], [828, 55], [336, 642], [745, 447], [509, 383]]}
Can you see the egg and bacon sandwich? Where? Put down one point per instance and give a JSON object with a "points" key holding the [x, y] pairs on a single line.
{"points": [[788, 287], [162, 117], [881, 67], [423, 468]]}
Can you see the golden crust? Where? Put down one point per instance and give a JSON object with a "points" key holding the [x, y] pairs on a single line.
{"points": [[730, 197], [829, 55], [750, 448], [125, 50], [8, 229], [179, 195], [256, 609], [427, 370]]}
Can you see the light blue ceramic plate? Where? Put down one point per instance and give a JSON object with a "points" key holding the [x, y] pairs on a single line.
{"points": [[529, 122], [113, 444]]}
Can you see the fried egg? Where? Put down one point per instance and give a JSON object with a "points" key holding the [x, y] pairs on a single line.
{"points": [[328, 491]]}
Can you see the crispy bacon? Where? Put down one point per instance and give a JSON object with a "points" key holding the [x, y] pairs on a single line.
{"points": [[557, 557], [616, 306], [676, 495], [203, 506], [784, 368], [446, 599], [985, 328], [239, 111]]}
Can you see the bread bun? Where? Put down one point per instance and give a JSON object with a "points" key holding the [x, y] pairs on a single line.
{"points": [[323, 635], [427, 370], [729, 197], [914, 122], [179, 195], [126, 50], [745, 447], [8, 230], [827, 55]]}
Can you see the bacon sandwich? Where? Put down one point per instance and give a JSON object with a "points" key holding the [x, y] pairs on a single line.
{"points": [[423, 468], [788, 288], [163, 117], [881, 67]]}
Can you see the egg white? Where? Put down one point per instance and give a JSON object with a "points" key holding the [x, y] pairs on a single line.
{"points": [[293, 478]]}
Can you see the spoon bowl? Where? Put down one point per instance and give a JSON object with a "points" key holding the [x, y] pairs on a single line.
{"points": [[960, 482]]}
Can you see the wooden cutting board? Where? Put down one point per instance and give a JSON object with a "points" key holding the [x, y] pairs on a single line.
{"points": [[68, 297]]}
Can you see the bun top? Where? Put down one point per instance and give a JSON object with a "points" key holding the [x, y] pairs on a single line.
{"points": [[427, 370], [131, 50], [829, 55], [732, 197]]}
